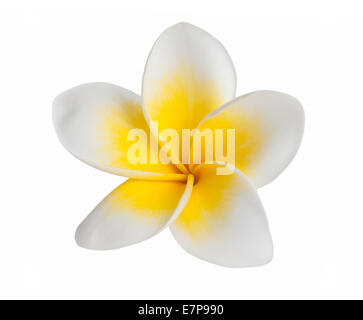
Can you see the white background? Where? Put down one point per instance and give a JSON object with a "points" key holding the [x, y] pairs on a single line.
{"points": [[312, 50]]}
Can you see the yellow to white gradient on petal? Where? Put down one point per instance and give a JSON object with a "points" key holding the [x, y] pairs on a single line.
{"points": [[134, 211], [249, 135], [181, 98], [207, 205], [124, 131]]}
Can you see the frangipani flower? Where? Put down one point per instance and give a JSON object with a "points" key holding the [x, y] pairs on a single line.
{"points": [[189, 82]]}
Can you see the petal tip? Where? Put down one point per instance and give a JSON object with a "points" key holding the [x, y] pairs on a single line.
{"points": [[184, 24], [81, 238], [86, 237], [252, 262]]}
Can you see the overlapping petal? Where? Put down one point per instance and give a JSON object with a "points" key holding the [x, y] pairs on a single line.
{"points": [[224, 221], [189, 82], [187, 75], [268, 130], [133, 212], [93, 122]]}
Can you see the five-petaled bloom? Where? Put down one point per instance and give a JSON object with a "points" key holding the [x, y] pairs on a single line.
{"points": [[189, 82]]}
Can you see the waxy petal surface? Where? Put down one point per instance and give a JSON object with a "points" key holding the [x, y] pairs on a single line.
{"points": [[224, 221], [133, 212], [93, 122], [268, 127], [187, 75]]}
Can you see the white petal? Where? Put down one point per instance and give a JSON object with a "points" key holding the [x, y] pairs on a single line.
{"points": [[188, 74], [93, 121], [133, 212], [268, 128], [224, 221]]}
